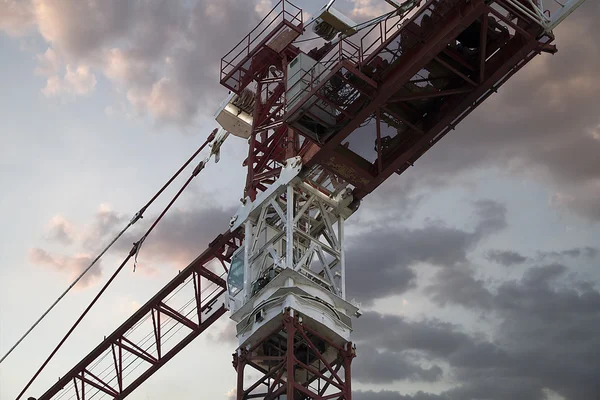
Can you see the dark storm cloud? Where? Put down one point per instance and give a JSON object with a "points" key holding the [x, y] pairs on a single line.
{"points": [[458, 286], [505, 257], [587, 252], [491, 216], [439, 339], [384, 367], [497, 388], [380, 262], [546, 337], [432, 339], [390, 395]]}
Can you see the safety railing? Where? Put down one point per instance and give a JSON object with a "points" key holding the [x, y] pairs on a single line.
{"points": [[380, 37], [388, 27], [376, 41], [283, 13]]}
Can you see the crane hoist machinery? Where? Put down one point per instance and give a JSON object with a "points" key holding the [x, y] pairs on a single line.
{"points": [[330, 108]]}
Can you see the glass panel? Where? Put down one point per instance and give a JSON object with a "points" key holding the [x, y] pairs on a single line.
{"points": [[235, 278]]}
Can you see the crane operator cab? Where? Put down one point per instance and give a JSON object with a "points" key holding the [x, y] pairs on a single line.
{"points": [[235, 277]]}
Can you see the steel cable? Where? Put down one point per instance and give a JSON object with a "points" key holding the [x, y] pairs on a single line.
{"points": [[133, 253], [136, 217]]}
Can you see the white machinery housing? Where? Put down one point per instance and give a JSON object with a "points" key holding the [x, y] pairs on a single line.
{"points": [[292, 259], [314, 118], [235, 113], [331, 22]]}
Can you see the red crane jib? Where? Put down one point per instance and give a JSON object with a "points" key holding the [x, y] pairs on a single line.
{"points": [[414, 79], [160, 329]]}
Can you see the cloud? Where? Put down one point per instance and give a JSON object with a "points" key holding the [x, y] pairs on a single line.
{"points": [[543, 317], [77, 81], [223, 332], [388, 366], [105, 20], [49, 63], [431, 337], [541, 320], [380, 262], [40, 256], [60, 230], [231, 394], [505, 257], [163, 101], [537, 331], [72, 265], [366, 9], [16, 17], [458, 286], [586, 252], [163, 58], [391, 395], [105, 225], [181, 236]]}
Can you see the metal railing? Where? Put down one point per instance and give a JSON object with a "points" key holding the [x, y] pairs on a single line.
{"points": [[283, 13], [345, 50]]}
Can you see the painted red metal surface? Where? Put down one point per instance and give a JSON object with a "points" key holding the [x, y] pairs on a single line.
{"points": [[407, 94], [254, 53], [160, 329], [294, 347], [414, 80]]}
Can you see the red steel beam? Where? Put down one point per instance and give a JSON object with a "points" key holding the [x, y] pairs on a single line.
{"points": [[491, 72], [323, 379], [221, 249], [453, 26], [464, 106]]}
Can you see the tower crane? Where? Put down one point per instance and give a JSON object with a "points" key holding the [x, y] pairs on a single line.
{"points": [[325, 127]]}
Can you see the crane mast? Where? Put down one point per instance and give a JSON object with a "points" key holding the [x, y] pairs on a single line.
{"points": [[287, 291], [325, 127]]}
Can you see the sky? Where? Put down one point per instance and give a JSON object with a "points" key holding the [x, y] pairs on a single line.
{"points": [[477, 270]]}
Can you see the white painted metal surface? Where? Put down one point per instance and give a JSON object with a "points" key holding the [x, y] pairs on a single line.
{"points": [[292, 257], [548, 13], [303, 74], [233, 119], [289, 172]]}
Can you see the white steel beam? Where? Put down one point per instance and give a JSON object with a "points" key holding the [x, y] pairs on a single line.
{"points": [[567, 8]]}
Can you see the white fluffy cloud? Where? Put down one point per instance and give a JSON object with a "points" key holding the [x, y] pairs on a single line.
{"points": [[364, 9], [163, 58], [16, 17], [76, 81]]}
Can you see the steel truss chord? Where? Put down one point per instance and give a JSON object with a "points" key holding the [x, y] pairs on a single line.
{"points": [[174, 317]]}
